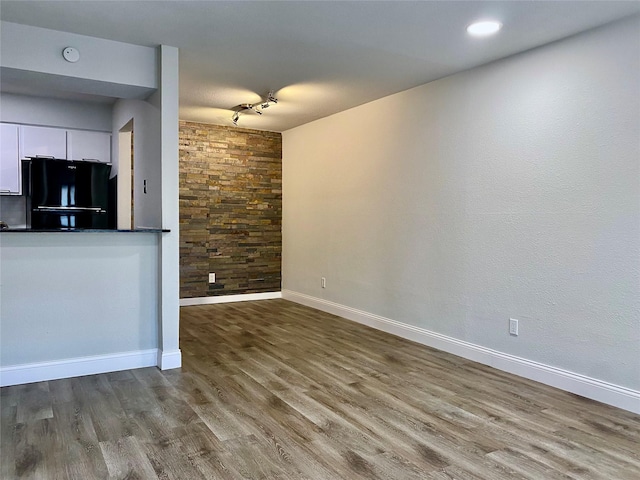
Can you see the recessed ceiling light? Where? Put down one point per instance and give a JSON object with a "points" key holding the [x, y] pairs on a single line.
{"points": [[484, 28]]}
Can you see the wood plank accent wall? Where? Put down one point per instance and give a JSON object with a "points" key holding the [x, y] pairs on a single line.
{"points": [[230, 210]]}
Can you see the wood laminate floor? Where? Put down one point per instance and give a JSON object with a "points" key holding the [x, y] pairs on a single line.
{"points": [[275, 390]]}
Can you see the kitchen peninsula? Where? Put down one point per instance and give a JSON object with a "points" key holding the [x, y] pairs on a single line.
{"points": [[82, 301]]}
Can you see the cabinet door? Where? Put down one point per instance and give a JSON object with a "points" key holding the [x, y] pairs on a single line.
{"points": [[9, 160], [44, 141], [88, 145]]}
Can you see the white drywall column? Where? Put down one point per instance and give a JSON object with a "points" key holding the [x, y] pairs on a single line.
{"points": [[169, 355]]}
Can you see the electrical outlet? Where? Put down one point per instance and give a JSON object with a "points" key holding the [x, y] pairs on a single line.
{"points": [[513, 327], [212, 278], [323, 282]]}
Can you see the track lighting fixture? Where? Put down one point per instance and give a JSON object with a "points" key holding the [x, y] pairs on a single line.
{"points": [[254, 107]]}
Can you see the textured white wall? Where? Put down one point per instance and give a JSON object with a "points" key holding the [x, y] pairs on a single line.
{"points": [[510, 190], [24, 48], [77, 294], [54, 112], [146, 157]]}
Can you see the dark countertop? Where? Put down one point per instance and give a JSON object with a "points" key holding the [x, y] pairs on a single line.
{"points": [[84, 230]]}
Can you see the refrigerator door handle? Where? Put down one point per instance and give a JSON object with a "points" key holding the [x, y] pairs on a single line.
{"points": [[44, 208]]}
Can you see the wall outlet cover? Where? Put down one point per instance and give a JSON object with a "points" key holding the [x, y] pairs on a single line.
{"points": [[212, 278], [513, 326]]}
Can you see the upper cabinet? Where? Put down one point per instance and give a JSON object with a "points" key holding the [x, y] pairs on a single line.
{"points": [[64, 143], [83, 145], [43, 141], [9, 160]]}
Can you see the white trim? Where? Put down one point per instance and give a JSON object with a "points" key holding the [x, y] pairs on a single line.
{"points": [[76, 367], [169, 360], [592, 388], [186, 302]]}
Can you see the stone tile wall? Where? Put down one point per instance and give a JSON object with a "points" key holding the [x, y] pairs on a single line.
{"points": [[230, 210]]}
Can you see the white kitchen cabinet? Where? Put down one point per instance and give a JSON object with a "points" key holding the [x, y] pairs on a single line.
{"points": [[43, 141], [9, 160], [83, 145]]}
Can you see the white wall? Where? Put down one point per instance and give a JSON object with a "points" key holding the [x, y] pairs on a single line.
{"points": [[510, 190], [66, 296], [54, 112], [146, 157], [114, 69]]}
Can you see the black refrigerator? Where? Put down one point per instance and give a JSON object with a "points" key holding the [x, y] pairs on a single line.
{"points": [[67, 194]]}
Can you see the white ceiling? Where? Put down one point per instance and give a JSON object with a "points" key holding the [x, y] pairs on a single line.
{"points": [[320, 57]]}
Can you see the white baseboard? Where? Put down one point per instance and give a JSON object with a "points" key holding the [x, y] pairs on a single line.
{"points": [[76, 367], [588, 387], [169, 360], [186, 302]]}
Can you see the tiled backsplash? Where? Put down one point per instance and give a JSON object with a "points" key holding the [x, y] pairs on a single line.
{"points": [[13, 210]]}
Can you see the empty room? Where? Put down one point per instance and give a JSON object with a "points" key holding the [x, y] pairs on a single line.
{"points": [[319, 240]]}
